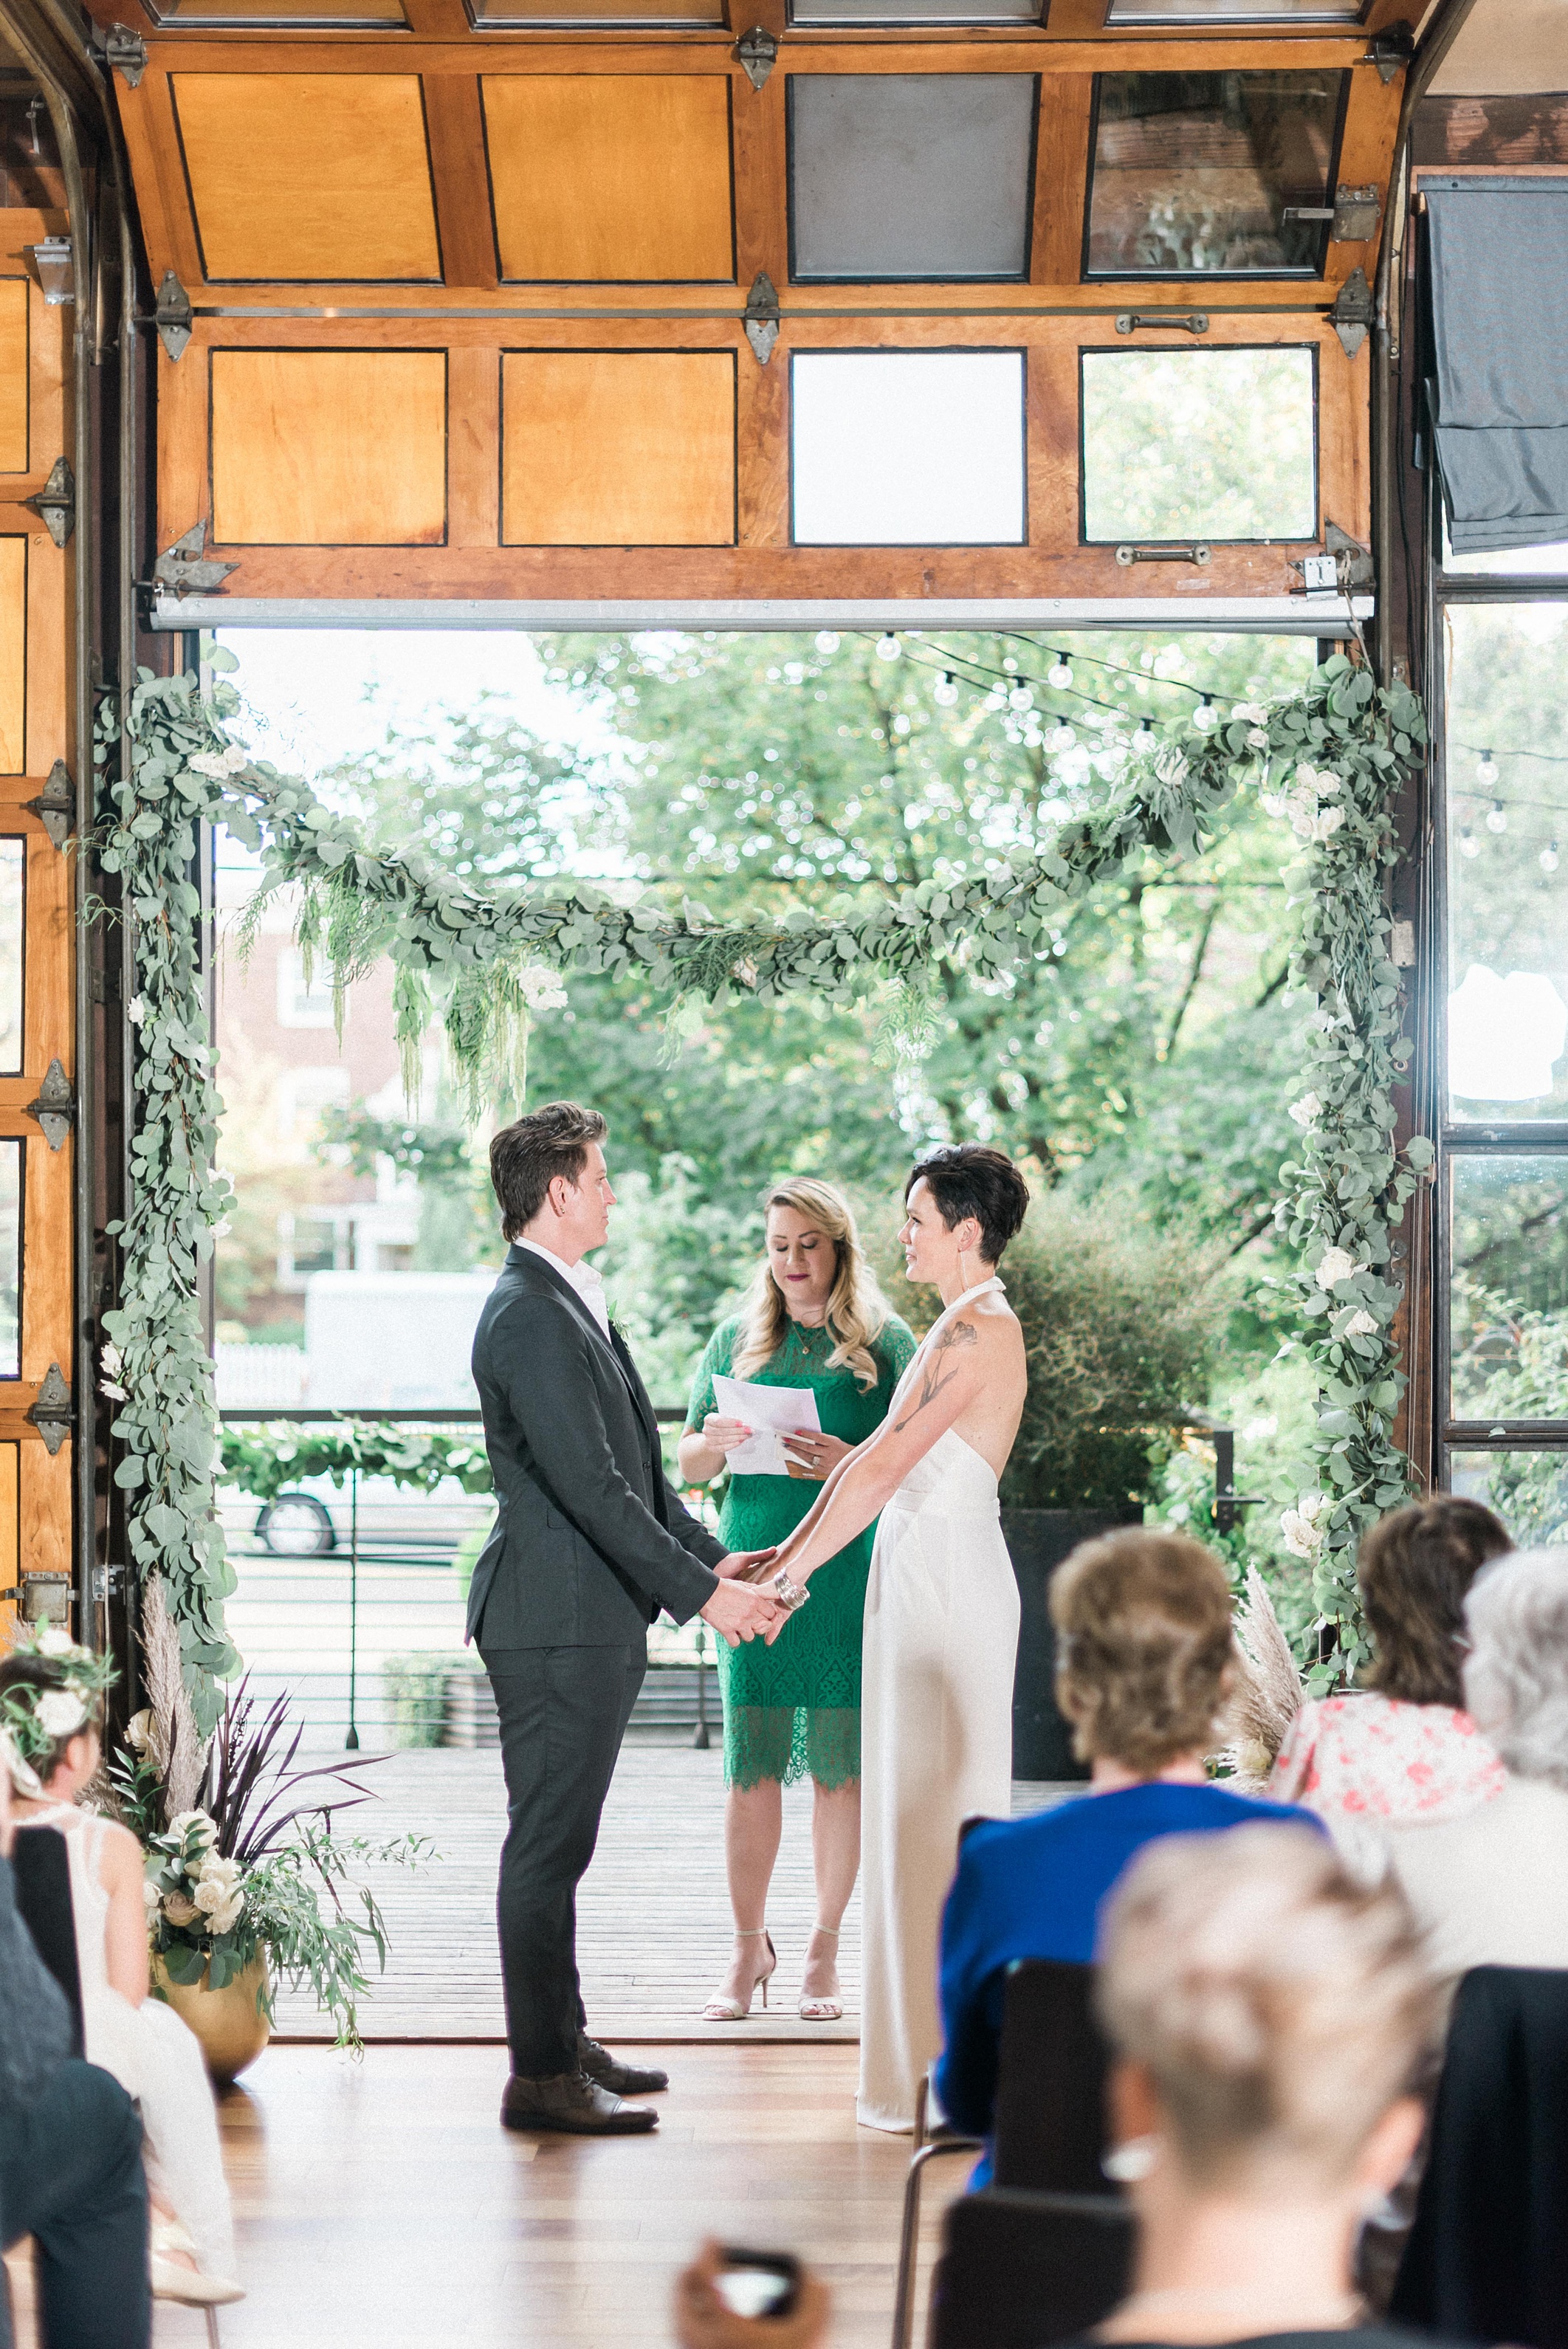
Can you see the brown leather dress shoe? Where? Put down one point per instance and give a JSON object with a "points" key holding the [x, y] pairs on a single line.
{"points": [[620, 2079], [574, 2103]]}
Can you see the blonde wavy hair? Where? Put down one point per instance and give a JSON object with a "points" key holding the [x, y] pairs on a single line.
{"points": [[856, 1309]]}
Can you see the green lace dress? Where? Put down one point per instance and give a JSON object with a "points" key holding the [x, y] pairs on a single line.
{"points": [[794, 1708]]}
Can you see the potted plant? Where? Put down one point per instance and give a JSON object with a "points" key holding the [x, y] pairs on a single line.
{"points": [[245, 1879]]}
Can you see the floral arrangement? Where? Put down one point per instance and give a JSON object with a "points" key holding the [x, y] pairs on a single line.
{"points": [[1329, 759], [33, 1720]]}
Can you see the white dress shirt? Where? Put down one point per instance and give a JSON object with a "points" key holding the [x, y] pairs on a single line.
{"points": [[583, 1277]]}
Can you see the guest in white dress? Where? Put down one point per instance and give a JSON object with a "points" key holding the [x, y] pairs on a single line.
{"points": [[942, 1606], [48, 1721]]}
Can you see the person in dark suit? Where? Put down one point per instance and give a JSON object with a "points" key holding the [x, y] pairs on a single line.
{"points": [[590, 1542]]}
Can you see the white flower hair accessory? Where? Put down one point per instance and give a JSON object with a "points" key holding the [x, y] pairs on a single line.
{"points": [[38, 1711]]}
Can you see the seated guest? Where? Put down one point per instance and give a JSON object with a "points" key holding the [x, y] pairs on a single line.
{"points": [[1267, 2014], [1405, 1748], [71, 2154], [1491, 1887], [1143, 1663]]}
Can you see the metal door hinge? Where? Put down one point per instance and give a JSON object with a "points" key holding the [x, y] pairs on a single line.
{"points": [[1199, 554], [55, 805], [1390, 49], [56, 267], [44, 1597], [182, 568], [1171, 322], [1353, 213], [173, 316], [757, 53], [1354, 312], [125, 52], [56, 1106], [56, 503], [52, 1414], [762, 317]]}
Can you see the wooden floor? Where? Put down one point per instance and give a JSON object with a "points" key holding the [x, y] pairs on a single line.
{"points": [[380, 2206]]}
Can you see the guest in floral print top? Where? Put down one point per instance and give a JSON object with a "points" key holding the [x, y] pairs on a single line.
{"points": [[1405, 1748]]}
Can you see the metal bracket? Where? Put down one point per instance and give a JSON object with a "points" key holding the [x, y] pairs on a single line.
{"points": [[1171, 322], [56, 1107], [55, 805], [56, 503], [45, 1598], [173, 317], [1352, 561], [1199, 554], [1355, 212], [53, 261], [1354, 312], [108, 1582], [180, 566], [757, 52], [125, 52], [762, 317], [1390, 49], [52, 1416]]}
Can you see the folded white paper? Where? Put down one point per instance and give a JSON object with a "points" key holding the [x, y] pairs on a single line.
{"points": [[772, 1412]]}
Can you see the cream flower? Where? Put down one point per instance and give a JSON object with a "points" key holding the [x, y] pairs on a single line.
{"points": [[1334, 1265], [53, 1642], [1254, 712], [59, 1713], [194, 1826], [216, 1870], [542, 990], [224, 1920], [1307, 1111], [1302, 1528], [150, 1893], [178, 1909], [1360, 1325], [1257, 738], [209, 1896]]}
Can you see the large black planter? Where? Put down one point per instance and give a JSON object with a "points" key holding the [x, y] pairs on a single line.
{"points": [[1038, 1540]]}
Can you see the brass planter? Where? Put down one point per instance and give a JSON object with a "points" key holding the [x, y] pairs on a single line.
{"points": [[229, 2023]]}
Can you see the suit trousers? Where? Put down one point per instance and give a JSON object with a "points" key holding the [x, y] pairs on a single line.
{"points": [[562, 1712], [72, 2177]]}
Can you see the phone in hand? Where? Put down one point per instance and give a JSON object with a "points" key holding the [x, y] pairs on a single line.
{"points": [[758, 2284]]}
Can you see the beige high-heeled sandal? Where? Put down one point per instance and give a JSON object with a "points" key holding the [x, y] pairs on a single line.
{"points": [[171, 2280], [822, 2010], [720, 2009]]}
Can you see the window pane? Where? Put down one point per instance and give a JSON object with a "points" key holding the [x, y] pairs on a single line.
{"points": [[584, 14], [11, 1162], [13, 911], [908, 448], [1509, 1288], [1507, 770], [1200, 444], [1235, 12], [1529, 1490], [1195, 173], [910, 175], [916, 12]]}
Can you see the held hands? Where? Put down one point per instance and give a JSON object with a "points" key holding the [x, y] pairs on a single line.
{"points": [[746, 1566], [738, 1611], [811, 1454]]}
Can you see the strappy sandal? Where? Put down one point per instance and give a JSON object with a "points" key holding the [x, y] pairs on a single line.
{"points": [[720, 2009], [822, 2010], [171, 2280]]}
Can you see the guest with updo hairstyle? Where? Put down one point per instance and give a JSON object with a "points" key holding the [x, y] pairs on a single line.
{"points": [[1405, 1748], [1267, 2016], [1142, 1668]]}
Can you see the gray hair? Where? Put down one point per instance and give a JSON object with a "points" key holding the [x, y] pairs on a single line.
{"points": [[1516, 1676]]}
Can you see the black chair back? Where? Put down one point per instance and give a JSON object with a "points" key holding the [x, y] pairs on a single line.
{"points": [[1051, 2081], [1487, 2259], [1020, 2270], [42, 1867]]}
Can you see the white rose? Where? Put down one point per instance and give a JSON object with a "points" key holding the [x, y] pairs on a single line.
{"points": [[208, 1897], [59, 1714], [216, 1870], [210, 762], [136, 1010], [1254, 712], [542, 990], [1171, 765], [1300, 1537], [53, 1642], [235, 760], [225, 1919], [1360, 1325], [1327, 784], [1307, 1111], [139, 1731], [1335, 1263], [1275, 803], [1326, 825], [194, 1827], [150, 1893]]}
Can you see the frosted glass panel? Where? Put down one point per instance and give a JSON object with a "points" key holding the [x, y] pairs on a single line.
{"points": [[1508, 1287], [11, 1160], [1507, 833], [13, 914], [1199, 445], [910, 175], [908, 448]]}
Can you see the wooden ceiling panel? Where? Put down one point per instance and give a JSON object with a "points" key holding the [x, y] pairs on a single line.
{"points": [[329, 448], [309, 177], [618, 449], [13, 400], [611, 180]]}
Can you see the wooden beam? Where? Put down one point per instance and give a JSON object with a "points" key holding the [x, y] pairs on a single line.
{"points": [[1061, 180], [454, 121], [637, 53]]}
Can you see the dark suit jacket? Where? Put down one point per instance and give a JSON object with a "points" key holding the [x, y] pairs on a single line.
{"points": [[591, 1540]]}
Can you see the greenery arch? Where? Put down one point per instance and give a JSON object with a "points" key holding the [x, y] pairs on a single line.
{"points": [[1328, 761]]}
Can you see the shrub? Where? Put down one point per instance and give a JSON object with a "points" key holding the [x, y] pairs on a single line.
{"points": [[1121, 1324]]}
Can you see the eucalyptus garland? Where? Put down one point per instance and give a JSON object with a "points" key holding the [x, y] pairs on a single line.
{"points": [[1328, 759]]}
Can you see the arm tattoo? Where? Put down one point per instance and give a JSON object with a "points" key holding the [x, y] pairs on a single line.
{"points": [[933, 1379]]}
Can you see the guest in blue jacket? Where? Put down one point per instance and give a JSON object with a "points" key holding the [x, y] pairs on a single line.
{"points": [[1143, 1662]]}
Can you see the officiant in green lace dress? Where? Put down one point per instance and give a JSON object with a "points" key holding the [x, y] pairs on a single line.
{"points": [[813, 1318]]}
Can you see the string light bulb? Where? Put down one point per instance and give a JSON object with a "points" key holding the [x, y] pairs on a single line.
{"points": [[1488, 772], [1205, 717], [888, 646], [1021, 697], [1468, 844], [1550, 860], [1143, 736], [947, 691], [1496, 817], [826, 640], [1060, 673], [1061, 738]]}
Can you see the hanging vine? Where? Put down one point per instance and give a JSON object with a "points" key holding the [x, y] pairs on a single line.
{"points": [[1327, 759]]}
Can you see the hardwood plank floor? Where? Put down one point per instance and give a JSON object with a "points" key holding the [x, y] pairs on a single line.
{"points": [[380, 2206]]}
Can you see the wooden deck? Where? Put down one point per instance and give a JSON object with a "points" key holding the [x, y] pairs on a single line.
{"points": [[653, 1914]]}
